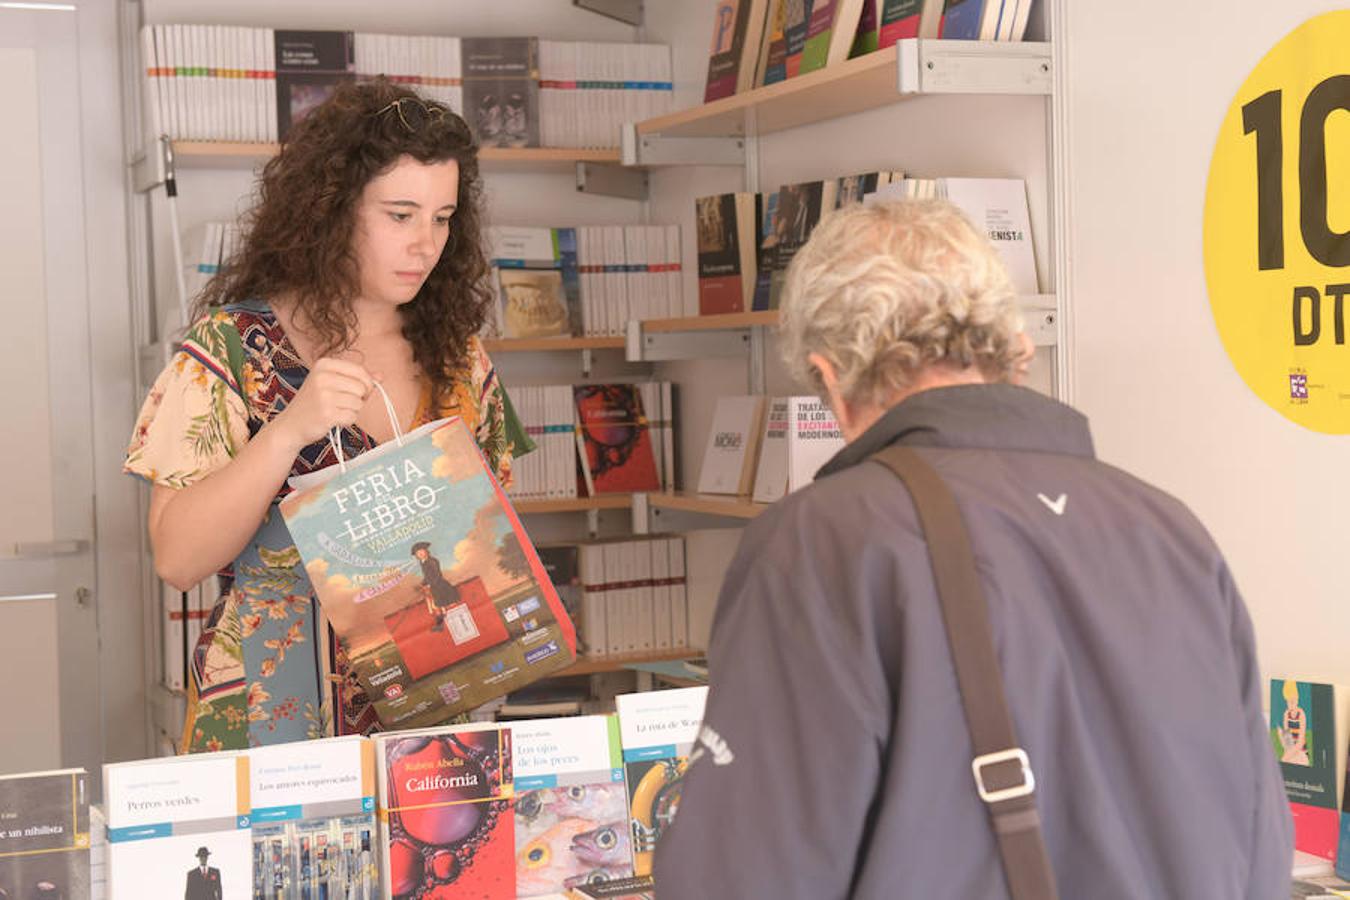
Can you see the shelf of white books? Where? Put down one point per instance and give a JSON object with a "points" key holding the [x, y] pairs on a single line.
{"points": [[577, 504], [910, 68], [227, 154], [592, 665], [534, 345]]}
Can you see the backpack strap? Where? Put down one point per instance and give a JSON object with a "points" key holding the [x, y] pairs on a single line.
{"points": [[1002, 771]]}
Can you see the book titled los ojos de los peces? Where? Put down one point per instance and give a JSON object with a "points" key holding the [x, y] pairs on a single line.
{"points": [[428, 577]]}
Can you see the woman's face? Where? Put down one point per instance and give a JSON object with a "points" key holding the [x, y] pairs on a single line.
{"points": [[402, 223]]}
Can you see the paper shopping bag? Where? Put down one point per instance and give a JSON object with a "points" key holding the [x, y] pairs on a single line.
{"points": [[425, 573]]}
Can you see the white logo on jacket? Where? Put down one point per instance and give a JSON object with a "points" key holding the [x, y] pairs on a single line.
{"points": [[716, 746], [1057, 505]]}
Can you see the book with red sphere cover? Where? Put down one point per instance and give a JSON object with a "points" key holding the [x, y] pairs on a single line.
{"points": [[446, 824], [615, 439]]}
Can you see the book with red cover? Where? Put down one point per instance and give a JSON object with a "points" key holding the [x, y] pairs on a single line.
{"points": [[445, 813], [615, 438]]}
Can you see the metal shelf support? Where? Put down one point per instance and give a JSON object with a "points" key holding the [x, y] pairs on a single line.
{"points": [[973, 67], [655, 150], [661, 346], [627, 11]]}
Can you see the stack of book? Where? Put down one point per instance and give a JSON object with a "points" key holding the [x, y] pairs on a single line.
{"points": [[747, 241], [588, 280], [633, 597], [766, 447], [761, 42], [595, 439], [223, 83]]}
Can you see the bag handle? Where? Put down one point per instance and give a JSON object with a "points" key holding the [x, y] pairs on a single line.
{"points": [[335, 438], [1002, 770]]}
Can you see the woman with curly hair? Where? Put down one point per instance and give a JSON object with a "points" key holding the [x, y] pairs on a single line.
{"points": [[362, 263]]}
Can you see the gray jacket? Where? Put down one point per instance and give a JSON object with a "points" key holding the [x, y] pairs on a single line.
{"points": [[835, 759]]}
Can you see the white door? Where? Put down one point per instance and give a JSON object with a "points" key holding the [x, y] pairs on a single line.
{"points": [[51, 712]]}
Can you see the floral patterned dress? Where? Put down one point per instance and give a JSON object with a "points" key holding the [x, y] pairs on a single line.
{"points": [[267, 668]]}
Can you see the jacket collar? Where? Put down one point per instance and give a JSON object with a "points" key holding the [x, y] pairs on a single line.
{"points": [[974, 416]]}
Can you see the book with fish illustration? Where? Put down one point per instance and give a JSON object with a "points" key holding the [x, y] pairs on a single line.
{"points": [[179, 827], [44, 834], [657, 730], [428, 577], [571, 808], [314, 828], [445, 812]]}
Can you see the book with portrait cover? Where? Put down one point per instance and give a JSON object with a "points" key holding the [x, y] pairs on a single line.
{"points": [[738, 30], [427, 576], [727, 226], [310, 66], [314, 830], [501, 90], [614, 439], [1304, 735], [446, 824], [179, 827], [44, 834], [657, 730], [570, 808]]}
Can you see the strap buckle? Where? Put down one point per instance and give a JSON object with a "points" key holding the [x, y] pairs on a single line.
{"points": [[1018, 790]]}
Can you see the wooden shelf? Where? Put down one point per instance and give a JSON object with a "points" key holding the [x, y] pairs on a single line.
{"points": [[849, 87], [526, 345], [709, 504], [580, 504], [767, 318], [229, 154], [586, 666]]}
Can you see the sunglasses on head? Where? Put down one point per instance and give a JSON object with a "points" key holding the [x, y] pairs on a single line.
{"points": [[414, 115]]}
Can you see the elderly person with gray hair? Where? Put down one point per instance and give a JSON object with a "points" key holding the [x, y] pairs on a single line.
{"points": [[835, 759]]}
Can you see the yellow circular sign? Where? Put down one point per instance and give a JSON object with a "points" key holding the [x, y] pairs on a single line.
{"points": [[1277, 227]]}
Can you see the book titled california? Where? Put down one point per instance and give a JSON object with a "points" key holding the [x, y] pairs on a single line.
{"points": [[658, 730], [44, 835], [571, 810], [445, 813], [428, 577], [614, 439], [727, 227]]}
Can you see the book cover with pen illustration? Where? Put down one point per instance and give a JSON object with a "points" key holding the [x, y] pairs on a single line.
{"points": [[428, 577]]}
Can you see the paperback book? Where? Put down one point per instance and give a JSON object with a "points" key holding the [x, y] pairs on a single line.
{"points": [[657, 730], [614, 439], [44, 835], [310, 66], [179, 827], [314, 829], [571, 808], [445, 813], [501, 90], [428, 577], [1303, 733], [727, 227]]}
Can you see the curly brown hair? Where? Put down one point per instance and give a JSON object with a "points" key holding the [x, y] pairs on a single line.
{"points": [[299, 232]]}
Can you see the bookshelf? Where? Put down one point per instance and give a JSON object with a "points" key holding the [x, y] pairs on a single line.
{"points": [[597, 665], [546, 345], [578, 504]]}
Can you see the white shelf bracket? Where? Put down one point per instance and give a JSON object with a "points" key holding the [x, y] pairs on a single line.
{"points": [[662, 346], [973, 67], [642, 515], [627, 11], [655, 150], [611, 181]]}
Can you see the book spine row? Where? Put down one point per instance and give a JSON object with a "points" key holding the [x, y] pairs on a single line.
{"points": [[633, 597]]}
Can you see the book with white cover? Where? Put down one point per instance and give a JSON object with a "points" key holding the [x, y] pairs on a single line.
{"points": [[771, 475], [813, 439], [177, 826], [729, 457], [998, 208], [593, 622], [658, 730], [679, 600], [570, 805], [314, 827]]}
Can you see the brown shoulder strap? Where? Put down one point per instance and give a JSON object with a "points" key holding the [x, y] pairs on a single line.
{"points": [[1002, 772]]}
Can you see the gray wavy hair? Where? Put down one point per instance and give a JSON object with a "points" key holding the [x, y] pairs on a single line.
{"points": [[885, 290]]}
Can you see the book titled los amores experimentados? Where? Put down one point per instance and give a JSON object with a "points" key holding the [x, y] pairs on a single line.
{"points": [[427, 576]]}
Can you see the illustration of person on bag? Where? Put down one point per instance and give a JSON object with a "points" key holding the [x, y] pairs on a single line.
{"points": [[439, 594]]}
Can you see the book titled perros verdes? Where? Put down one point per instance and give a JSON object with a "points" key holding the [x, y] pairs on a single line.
{"points": [[428, 577]]}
